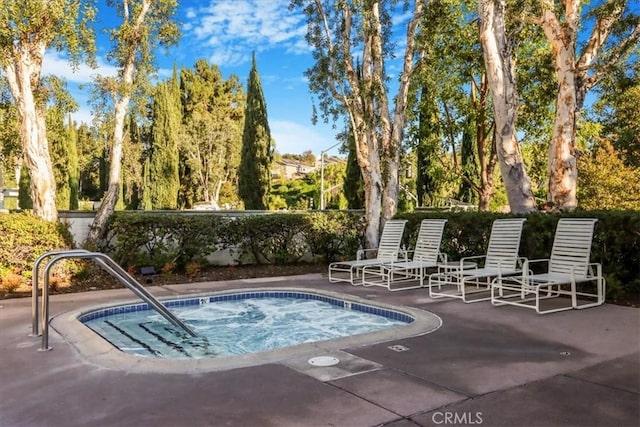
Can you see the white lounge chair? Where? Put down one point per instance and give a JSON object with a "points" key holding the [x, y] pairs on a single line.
{"points": [[426, 255], [568, 265], [387, 251], [474, 274]]}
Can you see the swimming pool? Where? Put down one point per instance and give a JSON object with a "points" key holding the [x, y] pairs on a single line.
{"points": [[238, 323], [399, 322]]}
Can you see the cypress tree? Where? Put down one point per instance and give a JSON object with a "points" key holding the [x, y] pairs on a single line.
{"points": [[353, 186], [74, 169], [466, 192], [163, 169], [24, 189], [254, 180], [429, 140], [58, 137], [146, 189]]}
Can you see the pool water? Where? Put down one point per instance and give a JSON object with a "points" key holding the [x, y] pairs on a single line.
{"points": [[240, 326]]}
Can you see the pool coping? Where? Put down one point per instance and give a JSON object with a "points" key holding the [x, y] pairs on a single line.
{"points": [[95, 350]]}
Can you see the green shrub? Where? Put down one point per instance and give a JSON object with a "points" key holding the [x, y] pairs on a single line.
{"points": [[23, 238], [160, 239], [272, 239], [180, 243], [334, 235]]}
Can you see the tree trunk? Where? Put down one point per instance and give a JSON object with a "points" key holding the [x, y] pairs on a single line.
{"points": [[107, 207], [35, 147], [562, 167], [501, 77], [367, 149], [121, 96], [486, 147], [575, 77]]}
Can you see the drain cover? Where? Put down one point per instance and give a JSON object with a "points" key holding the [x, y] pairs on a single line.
{"points": [[399, 348], [324, 361]]}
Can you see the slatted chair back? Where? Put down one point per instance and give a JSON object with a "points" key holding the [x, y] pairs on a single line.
{"points": [[390, 240], [504, 243], [428, 241], [572, 246]]}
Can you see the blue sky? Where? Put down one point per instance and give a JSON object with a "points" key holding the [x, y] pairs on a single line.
{"points": [[226, 32]]}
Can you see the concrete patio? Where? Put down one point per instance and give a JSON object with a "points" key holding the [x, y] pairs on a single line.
{"points": [[490, 366]]}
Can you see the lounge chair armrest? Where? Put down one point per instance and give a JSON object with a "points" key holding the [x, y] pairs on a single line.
{"points": [[594, 270], [526, 270], [472, 259], [522, 261], [361, 254], [467, 258]]}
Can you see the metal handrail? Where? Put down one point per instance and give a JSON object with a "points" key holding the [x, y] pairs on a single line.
{"points": [[117, 272], [35, 278]]}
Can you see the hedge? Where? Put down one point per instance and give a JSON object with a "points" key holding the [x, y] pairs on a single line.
{"points": [[177, 243]]}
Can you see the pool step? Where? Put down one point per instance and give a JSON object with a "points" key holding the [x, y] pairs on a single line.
{"points": [[157, 339]]}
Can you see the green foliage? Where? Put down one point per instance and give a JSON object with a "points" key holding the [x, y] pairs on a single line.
{"points": [[294, 194], [163, 169], [153, 239], [133, 162], [469, 169], [73, 170], [353, 182], [272, 239], [617, 110], [307, 157], [10, 144], [89, 154], [24, 190], [60, 141], [334, 235], [606, 182], [23, 238], [211, 135], [150, 239], [254, 180]]}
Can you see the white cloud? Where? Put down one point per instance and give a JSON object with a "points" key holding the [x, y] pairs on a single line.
{"points": [[56, 64], [230, 29]]}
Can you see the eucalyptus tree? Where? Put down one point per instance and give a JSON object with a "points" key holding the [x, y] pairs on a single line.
{"points": [[145, 25], [580, 65], [501, 75], [254, 179], [213, 119], [352, 46], [27, 29]]}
